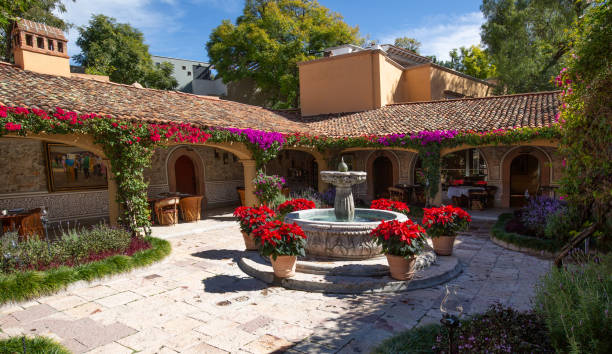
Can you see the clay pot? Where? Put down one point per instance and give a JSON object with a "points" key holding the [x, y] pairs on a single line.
{"points": [[400, 267], [284, 266], [249, 242], [443, 245]]}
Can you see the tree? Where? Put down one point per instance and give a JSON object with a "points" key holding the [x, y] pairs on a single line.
{"points": [[43, 11], [118, 50], [527, 40], [270, 38], [408, 43], [473, 61]]}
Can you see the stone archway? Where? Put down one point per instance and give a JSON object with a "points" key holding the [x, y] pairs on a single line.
{"points": [[544, 163], [179, 155], [393, 175]]}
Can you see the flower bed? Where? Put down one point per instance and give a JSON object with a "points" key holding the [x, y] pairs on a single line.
{"points": [[45, 275], [498, 330], [499, 232]]}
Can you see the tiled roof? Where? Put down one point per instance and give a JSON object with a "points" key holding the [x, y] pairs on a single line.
{"points": [[531, 109], [29, 89], [25, 88], [40, 28]]}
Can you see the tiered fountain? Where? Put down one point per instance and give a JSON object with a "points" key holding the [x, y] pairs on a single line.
{"points": [[341, 256]]}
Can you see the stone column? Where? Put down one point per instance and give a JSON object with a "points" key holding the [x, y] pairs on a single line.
{"points": [[113, 206], [250, 170]]}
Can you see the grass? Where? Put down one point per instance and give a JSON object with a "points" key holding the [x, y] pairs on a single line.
{"points": [[499, 232], [416, 340], [34, 345], [22, 286]]}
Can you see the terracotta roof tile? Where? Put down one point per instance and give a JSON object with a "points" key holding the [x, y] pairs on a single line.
{"points": [[25, 88], [40, 28]]}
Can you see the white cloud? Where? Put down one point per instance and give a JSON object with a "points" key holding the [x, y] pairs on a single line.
{"points": [[154, 20], [439, 34]]}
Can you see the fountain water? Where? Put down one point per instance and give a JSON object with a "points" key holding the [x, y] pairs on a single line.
{"points": [[342, 232]]}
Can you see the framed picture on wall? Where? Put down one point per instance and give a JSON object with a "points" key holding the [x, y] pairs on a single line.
{"points": [[72, 168]]}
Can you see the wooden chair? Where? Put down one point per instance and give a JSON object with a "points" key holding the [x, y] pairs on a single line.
{"points": [[166, 210], [191, 208], [31, 225], [477, 199], [397, 194]]}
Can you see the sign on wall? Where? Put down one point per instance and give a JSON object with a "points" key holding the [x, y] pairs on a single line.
{"points": [[73, 168]]}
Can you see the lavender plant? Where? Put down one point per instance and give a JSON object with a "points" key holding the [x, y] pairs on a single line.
{"points": [[536, 214]]}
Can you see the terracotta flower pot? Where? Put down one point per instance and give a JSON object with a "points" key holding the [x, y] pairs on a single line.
{"points": [[249, 241], [443, 245], [284, 266], [400, 267]]}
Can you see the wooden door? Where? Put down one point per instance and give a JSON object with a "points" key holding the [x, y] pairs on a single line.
{"points": [[185, 175], [383, 176]]}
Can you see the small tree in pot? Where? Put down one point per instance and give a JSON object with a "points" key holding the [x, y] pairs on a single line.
{"points": [[282, 242], [250, 219], [401, 242], [442, 225]]}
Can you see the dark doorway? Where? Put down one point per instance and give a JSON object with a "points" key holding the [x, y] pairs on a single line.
{"points": [[524, 177], [185, 175], [382, 170]]}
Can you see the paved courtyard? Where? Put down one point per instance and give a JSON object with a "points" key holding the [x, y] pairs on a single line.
{"points": [[199, 301]]}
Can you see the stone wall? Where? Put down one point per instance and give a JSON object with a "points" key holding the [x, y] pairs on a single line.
{"points": [[297, 167], [23, 166]]}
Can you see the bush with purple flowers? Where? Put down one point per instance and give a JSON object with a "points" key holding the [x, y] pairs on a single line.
{"points": [[268, 188], [538, 211]]}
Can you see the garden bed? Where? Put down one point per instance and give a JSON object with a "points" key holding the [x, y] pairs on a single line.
{"points": [[37, 279], [519, 242]]}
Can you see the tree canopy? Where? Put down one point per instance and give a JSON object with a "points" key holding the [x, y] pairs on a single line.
{"points": [[270, 38], [118, 50], [408, 43], [473, 61], [527, 40], [43, 11]]}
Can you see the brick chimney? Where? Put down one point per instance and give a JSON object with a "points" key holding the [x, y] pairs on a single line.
{"points": [[40, 48]]}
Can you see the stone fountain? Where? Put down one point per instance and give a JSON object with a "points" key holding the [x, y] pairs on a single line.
{"points": [[342, 232]]}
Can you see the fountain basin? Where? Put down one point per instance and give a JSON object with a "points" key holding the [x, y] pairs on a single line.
{"points": [[328, 238]]}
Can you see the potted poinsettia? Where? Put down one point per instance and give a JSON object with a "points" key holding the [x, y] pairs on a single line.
{"points": [[294, 205], [392, 205], [442, 225], [282, 242], [251, 218], [401, 242]]}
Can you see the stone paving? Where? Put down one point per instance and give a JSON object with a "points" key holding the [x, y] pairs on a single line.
{"points": [[198, 301]]}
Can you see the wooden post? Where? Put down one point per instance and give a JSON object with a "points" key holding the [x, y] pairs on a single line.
{"points": [[250, 170], [113, 206]]}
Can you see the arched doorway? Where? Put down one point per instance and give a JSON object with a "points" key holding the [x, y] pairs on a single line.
{"points": [[185, 175], [382, 169], [524, 178]]}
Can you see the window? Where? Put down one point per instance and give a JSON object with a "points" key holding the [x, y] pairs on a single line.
{"points": [[40, 42], [60, 47], [50, 44], [29, 40], [184, 67], [189, 73]]}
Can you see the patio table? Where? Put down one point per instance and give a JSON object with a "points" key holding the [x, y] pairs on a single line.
{"points": [[458, 191]]}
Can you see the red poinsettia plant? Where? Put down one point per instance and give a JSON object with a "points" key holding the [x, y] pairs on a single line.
{"points": [[446, 220], [392, 205], [295, 205], [253, 217], [277, 238], [405, 239]]}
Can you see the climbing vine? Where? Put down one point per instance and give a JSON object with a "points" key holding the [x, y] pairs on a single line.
{"points": [[129, 145]]}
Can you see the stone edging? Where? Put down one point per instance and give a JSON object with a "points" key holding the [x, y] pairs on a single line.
{"points": [[529, 251]]}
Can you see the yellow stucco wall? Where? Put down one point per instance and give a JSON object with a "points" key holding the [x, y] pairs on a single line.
{"points": [[337, 84], [42, 63], [415, 84], [442, 80], [390, 74]]}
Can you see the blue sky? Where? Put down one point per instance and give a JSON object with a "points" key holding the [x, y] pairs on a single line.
{"points": [[180, 28]]}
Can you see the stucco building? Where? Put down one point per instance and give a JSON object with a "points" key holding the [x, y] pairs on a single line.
{"points": [[347, 93], [193, 76]]}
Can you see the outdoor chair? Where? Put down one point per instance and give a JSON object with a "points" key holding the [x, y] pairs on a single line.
{"points": [[397, 194], [191, 208], [477, 199], [31, 225], [166, 211]]}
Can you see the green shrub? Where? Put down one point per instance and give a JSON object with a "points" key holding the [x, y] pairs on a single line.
{"points": [[563, 224], [416, 340], [499, 232], [576, 304], [33, 345]]}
